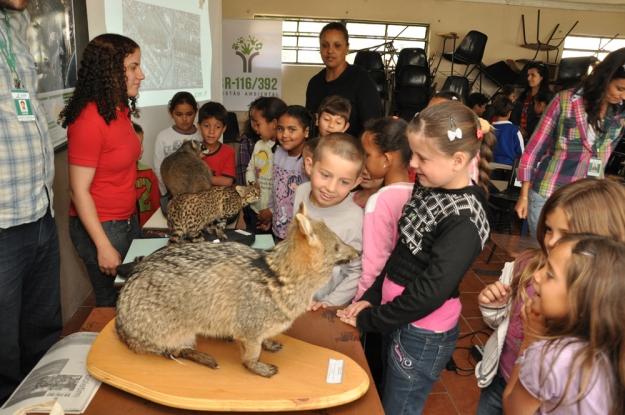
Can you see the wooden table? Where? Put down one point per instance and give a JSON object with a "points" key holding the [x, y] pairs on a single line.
{"points": [[321, 328], [512, 245]]}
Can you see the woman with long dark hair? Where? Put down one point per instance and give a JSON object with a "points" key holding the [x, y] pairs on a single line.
{"points": [[103, 150], [523, 114], [576, 136], [340, 78]]}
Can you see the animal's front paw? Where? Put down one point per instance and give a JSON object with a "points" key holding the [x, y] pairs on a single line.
{"points": [[272, 345], [222, 235], [262, 369]]}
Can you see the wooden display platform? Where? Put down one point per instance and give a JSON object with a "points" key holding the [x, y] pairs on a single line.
{"points": [[299, 385]]}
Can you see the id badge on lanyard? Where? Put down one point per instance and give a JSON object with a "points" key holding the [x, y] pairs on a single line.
{"points": [[20, 96], [595, 167]]}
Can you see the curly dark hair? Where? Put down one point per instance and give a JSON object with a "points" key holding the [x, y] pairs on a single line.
{"points": [[596, 84], [100, 76]]}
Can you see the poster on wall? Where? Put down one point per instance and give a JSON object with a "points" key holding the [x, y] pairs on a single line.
{"points": [[252, 61], [51, 41]]}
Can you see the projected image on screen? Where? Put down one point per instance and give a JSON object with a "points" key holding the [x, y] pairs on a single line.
{"points": [[170, 45], [175, 42]]}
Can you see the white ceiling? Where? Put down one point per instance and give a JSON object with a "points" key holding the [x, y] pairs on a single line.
{"points": [[594, 5]]}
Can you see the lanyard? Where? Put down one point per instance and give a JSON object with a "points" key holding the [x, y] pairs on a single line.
{"points": [[8, 54]]}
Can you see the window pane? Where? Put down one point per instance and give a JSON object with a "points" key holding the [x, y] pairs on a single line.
{"points": [[417, 32], [350, 58], [289, 41], [602, 56], [305, 56], [311, 27], [360, 43], [575, 53], [308, 42], [289, 26], [613, 45], [574, 42], [288, 55], [365, 29], [402, 44]]}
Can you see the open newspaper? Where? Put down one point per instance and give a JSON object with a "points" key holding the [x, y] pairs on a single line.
{"points": [[60, 375]]}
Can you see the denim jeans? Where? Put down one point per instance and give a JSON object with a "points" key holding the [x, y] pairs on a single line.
{"points": [[536, 203], [491, 397], [120, 233], [416, 358], [30, 298]]}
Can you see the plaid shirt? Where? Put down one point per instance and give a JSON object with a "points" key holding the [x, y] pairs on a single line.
{"points": [[26, 151], [560, 144], [246, 149]]}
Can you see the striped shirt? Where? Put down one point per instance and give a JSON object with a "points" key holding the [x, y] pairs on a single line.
{"points": [[560, 143], [26, 151]]}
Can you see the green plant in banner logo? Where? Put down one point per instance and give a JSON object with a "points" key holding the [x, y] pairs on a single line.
{"points": [[247, 49]]}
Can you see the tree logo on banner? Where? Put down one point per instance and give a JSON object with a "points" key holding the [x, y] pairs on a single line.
{"points": [[247, 49]]}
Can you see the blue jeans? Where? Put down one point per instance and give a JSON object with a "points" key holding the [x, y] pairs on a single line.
{"points": [[491, 397], [416, 358], [30, 298], [536, 203], [120, 233]]}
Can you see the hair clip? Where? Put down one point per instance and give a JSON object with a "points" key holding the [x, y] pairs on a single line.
{"points": [[454, 98], [585, 253], [480, 133], [454, 132], [395, 117]]}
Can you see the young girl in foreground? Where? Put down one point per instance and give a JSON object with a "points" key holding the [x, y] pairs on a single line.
{"points": [[442, 229], [265, 114], [293, 130], [182, 108], [584, 206], [579, 366]]}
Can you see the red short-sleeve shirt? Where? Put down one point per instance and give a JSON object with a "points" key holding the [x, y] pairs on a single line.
{"points": [[221, 162], [113, 150]]}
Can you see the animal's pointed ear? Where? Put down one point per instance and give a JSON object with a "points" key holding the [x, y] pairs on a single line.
{"points": [[302, 208], [240, 190], [304, 227]]}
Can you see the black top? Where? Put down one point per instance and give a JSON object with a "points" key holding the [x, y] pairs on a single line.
{"points": [[517, 113], [441, 233], [357, 86]]}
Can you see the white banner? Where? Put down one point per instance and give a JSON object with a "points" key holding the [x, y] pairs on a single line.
{"points": [[252, 61]]}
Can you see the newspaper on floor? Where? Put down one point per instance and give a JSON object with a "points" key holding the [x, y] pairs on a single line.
{"points": [[60, 375]]}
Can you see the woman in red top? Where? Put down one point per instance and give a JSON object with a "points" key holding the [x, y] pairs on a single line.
{"points": [[103, 150], [523, 114]]}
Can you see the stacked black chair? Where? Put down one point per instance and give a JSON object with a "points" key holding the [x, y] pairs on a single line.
{"points": [[458, 84], [572, 70], [411, 56], [469, 53], [412, 91], [372, 62]]}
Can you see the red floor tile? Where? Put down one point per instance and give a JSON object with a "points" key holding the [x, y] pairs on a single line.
{"points": [[440, 404], [471, 283], [463, 391]]}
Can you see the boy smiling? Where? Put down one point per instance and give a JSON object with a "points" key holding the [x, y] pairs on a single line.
{"points": [[336, 165]]}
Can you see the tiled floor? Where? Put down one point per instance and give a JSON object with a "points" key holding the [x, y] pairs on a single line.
{"points": [[454, 393]]}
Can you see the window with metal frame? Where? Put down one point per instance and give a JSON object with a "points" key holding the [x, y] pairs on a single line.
{"points": [[300, 38], [591, 46]]}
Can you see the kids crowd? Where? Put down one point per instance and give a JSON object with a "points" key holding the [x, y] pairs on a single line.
{"points": [[556, 346]]}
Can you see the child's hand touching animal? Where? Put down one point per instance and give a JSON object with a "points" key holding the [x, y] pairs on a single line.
{"points": [[495, 295], [349, 314], [316, 305]]}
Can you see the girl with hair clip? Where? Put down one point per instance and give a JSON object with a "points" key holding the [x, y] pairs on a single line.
{"points": [[294, 127], [183, 109], [265, 114], [102, 152], [442, 230], [575, 138], [572, 360], [523, 114], [584, 206]]}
